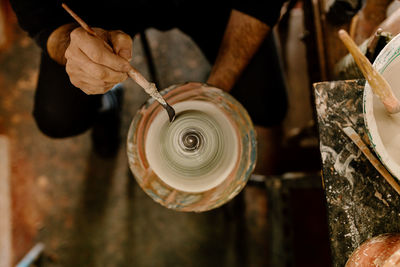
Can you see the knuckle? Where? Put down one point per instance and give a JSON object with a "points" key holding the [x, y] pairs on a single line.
{"points": [[93, 91], [96, 55], [88, 92], [101, 74], [122, 77], [100, 32], [101, 85], [117, 32], [75, 33], [67, 53], [108, 87], [96, 91], [70, 69], [120, 37], [75, 82], [88, 89], [116, 77], [129, 40]]}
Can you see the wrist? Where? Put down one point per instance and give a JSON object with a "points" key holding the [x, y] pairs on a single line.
{"points": [[224, 82], [58, 42], [242, 38]]}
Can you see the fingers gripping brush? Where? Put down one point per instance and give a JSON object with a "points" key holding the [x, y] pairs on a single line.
{"points": [[149, 88]]}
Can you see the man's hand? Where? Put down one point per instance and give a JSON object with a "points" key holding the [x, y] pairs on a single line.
{"points": [[90, 63]]}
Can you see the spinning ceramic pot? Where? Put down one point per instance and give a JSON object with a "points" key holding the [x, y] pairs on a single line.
{"points": [[202, 159], [384, 128], [379, 251]]}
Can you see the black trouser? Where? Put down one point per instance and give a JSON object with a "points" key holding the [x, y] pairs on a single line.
{"points": [[62, 110]]}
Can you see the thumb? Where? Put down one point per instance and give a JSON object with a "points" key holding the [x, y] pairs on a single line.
{"points": [[121, 43]]}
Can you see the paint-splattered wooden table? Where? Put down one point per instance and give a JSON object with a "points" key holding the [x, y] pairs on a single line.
{"points": [[360, 203]]}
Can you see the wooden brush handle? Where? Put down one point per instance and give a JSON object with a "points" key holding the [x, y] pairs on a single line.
{"points": [[380, 87], [79, 20]]}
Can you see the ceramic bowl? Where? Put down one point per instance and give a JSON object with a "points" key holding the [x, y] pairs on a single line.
{"points": [[216, 192]]}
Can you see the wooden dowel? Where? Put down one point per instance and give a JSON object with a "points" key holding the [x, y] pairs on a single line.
{"points": [[5, 204], [79, 20], [374, 161]]}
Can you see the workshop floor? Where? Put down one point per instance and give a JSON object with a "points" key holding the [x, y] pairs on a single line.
{"points": [[89, 211]]}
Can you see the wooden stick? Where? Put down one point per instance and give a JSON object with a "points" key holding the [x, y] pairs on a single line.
{"points": [[379, 85], [316, 9], [374, 161], [79, 20], [135, 75], [5, 204]]}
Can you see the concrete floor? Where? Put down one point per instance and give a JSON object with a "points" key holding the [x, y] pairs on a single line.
{"points": [[89, 211]]}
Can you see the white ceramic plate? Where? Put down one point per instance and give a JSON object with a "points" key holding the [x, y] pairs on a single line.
{"points": [[383, 129]]}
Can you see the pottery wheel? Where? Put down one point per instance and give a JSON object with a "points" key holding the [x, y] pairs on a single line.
{"points": [[199, 161], [196, 151]]}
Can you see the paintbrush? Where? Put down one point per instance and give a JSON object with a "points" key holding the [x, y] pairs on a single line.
{"points": [[149, 88], [380, 87], [374, 161]]}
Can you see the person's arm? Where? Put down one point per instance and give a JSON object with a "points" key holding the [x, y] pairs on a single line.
{"points": [[368, 18], [243, 36], [40, 18], [89, 64]]}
